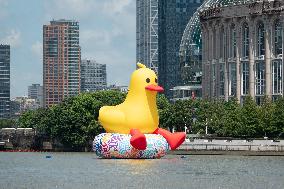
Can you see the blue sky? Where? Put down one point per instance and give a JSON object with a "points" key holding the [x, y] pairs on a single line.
{"points": [[107, 34]]}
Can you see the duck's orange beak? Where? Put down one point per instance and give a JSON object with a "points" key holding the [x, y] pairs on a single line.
{"points": [[154, 88]]}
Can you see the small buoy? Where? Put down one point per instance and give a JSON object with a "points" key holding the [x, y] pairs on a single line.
{"points": [[48, 156]]}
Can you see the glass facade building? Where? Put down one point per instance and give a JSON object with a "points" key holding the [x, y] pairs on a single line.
{"points": [[93, 76], [61, 61], [173, 17], [4, 81]]}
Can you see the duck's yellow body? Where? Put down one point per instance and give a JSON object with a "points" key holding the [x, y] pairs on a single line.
{"points": [[139, 110]]}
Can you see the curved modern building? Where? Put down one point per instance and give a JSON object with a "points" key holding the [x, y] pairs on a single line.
{"points": [[190, 56], [242, 50]]}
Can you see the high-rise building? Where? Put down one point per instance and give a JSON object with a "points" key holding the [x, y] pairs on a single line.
{"points": [[35, 91], [147, 33], [4, 81], [93, 76], [173, 16], [61, 61]]}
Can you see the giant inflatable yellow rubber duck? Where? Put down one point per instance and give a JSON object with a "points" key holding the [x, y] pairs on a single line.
{"points": [[138, 114]]}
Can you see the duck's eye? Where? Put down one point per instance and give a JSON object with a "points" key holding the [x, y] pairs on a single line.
{"points": [[156, 81], [148, 80]]}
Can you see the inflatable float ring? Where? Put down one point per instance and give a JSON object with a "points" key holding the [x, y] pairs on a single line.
{"points": [[114, 145]]}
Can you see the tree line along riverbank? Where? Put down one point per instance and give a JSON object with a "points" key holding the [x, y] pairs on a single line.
{"points": [[74, 122]]}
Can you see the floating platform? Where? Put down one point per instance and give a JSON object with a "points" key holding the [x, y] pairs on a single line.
{"points": [[117, 146]]}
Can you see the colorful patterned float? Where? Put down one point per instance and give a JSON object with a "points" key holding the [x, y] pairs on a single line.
{"points": [[112, 145]]}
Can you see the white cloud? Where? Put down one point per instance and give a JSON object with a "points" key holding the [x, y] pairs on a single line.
{"points": [[119, 67], [116, 6], [3, 11], [13, 38], [36, 48], [98, 38], [67, 8], [84, 7]]}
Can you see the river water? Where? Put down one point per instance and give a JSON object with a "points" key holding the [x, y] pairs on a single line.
{"points": [[86, 170]]}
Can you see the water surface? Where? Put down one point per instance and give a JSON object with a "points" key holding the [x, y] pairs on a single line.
{"points": [[86, 170]]}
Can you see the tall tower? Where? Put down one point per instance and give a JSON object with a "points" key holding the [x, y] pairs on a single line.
{"points": [[61, 61], [147, 33], [173, 18], [4, 81]]}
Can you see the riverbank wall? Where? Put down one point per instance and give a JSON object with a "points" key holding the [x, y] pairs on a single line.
{"points": [[28, 139], [252, 147], [233, 145], [25, 139]]}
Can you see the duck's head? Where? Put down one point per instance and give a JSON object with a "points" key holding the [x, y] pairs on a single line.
{"points": [[144, 79]]}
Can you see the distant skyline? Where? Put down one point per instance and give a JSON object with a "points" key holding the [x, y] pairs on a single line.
{"points": [[107, 35]]}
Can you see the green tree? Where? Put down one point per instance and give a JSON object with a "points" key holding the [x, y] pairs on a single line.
{"points": [[249, 118], [7, 123], [231, 119], [164, 109], [277, 126], [74, 122], [266, 116]]}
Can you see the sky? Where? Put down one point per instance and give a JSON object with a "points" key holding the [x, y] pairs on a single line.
{"points": [[107, 35]]}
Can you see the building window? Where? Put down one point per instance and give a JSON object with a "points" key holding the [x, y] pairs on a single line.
{"points": [[214, 79], [232, 79], [277, 77], [233, 50], [245, 78], [222, 79], [260, 77], [245, 40], [222, 43], [260, 39], [278, 37]]}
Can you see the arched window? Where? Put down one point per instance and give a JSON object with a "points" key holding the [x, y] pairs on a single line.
{"points": [[222, 64], [278, 37], [259, 63], [277, 64], [232, 64], [233, 45], [260, 39], [245, 32], [222, 42]]}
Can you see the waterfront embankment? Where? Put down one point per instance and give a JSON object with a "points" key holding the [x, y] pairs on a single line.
{"points": [[27, 139], [231, 147]]}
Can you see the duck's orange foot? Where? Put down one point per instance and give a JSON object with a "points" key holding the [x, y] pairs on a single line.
{"points": [[174, 139], [138, 139]]}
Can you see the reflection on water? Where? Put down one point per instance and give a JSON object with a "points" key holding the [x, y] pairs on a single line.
{"points": [[85, 170]]}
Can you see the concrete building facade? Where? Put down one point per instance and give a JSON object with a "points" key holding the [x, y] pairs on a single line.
{"points": [[35, 91], [243, 50], [61, 61], [93, 76], [4, 81]]}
